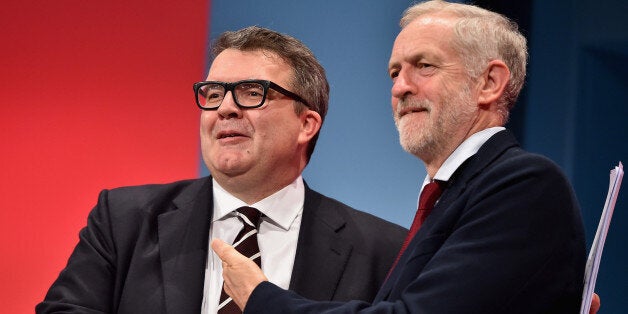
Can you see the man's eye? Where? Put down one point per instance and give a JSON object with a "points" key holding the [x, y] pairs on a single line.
{"points": [[251, 90], [214, 95]]}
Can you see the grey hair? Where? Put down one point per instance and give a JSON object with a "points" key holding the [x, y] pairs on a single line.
{"points": [[481, 36]]}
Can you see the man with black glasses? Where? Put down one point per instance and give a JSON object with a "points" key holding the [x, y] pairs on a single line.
{"points": [[145, 248]]}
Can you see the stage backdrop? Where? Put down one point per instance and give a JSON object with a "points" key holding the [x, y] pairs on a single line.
{"points": [[97, 95], [573, 107]]}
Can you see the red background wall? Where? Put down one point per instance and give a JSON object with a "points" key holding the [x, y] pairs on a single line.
{"points": [[94, 94]]}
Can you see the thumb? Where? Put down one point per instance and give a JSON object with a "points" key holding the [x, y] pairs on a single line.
{"points": [[241, 275], [226, 252]]}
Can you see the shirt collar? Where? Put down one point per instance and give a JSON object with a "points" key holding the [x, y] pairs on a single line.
{"points": [[282, 207], [464, 151]]}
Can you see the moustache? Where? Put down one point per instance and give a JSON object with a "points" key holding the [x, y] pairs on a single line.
{"points": [[411, 105]]}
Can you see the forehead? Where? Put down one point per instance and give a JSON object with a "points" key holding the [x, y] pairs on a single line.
{"points": [[428, 36], [234, 65]]}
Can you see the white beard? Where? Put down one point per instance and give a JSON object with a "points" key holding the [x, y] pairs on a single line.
{"points": [[432, 138]]}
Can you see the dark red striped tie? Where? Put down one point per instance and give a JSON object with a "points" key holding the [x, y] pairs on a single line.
{"points": [[245, 243]]}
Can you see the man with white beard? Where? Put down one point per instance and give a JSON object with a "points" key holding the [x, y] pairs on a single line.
{"points": [[505, 234]]}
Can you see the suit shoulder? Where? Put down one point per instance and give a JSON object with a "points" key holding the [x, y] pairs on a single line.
{"points": [[155, 188], [359, 222], [502, 154], [133, 204], [519, 161], [358, 215], [150, 194], [125, 211]]}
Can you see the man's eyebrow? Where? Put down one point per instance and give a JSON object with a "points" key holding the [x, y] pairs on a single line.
{"points": [[393, 65]]}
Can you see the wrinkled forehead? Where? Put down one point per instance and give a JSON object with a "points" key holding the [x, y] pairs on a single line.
{"points": [[427, 34], [436, 24]]}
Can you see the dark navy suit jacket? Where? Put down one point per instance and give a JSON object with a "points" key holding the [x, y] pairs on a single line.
{"points": [[144, 251], [505, 237]]}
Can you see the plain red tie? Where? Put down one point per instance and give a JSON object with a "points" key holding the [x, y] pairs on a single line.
{"points": [[430, 194]]}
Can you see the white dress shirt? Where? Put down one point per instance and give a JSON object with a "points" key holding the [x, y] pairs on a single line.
{"points": [[467, 149], [277, 236]]}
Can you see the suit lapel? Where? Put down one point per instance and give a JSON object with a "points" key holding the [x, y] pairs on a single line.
{"points": [[491, 150], [183, 243], [322, 253]]}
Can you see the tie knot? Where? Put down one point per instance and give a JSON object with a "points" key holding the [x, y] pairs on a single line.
{"points": [[430, 194], [250, 215]]}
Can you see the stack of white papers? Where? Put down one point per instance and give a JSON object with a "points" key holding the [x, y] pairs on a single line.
{"points": [[593, 262]]}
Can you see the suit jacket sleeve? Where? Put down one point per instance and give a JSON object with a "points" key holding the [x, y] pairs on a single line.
{"points": [[143, 251], [507, 239], [86, 284]]}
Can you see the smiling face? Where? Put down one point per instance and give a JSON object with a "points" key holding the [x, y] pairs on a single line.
{"points": [[254, 152], [432, 94]]}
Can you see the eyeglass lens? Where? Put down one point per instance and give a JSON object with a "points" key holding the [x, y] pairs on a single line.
{"points": [[246, 94]]}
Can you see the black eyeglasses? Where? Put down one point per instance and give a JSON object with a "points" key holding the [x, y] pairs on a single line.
{"points": [[246, 94]]}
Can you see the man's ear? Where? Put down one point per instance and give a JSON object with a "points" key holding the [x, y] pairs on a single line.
{"points": [[493, 82], [311, 122]]}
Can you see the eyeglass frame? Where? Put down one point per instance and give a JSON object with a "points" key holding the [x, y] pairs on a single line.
{"points": [[230, 86]]}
